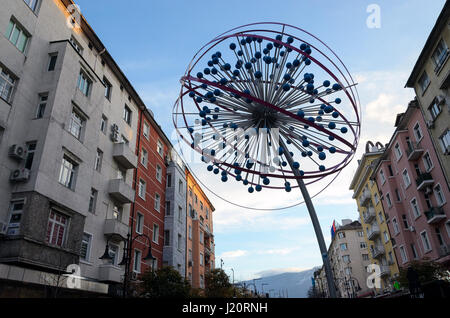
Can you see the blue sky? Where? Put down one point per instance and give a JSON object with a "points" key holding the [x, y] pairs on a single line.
{"points": [[154, 41]]}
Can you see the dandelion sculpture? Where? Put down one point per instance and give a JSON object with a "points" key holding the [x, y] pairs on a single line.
{"points": [[270, 106]]}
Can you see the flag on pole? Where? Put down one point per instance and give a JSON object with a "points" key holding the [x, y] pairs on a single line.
{"points": [[333, 230]]}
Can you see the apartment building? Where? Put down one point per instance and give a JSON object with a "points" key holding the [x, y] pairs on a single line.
{"points": [[430, 79], [68, 142], [174, 253], [413, 191], [349, 259], [373, 218], [200, 238]]}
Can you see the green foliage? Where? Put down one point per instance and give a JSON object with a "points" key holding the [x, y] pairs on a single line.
{"points": [[164, 283], [426, 270], [218, 284]]}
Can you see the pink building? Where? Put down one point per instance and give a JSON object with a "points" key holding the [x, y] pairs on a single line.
{"points": [[413, 192]]}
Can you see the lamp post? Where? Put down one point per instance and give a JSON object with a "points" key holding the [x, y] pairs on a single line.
{"points": [[126, 259], [233, 275]]}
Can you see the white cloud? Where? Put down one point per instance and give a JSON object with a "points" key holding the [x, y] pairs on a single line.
{"points": [[278, 251], [233, 254]]}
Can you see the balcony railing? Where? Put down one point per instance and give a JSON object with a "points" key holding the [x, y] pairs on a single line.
{"points": [[435, 215], [364, 198], [115, 229], [369, 215], [121, 191], [377, 251], [384, 270], [123, 154], [424, 180], [414, 151], [373, 232]]}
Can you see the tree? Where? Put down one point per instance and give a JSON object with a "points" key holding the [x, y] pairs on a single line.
{"points": [[427, 271], [164, 283], [218, 284]]}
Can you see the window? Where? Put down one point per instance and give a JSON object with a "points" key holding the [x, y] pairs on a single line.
{"points": [[155, 233], [190, 192], [15, 218], [365, 257], [180, 187], [424, 81], [104, 124], [108, 88], [346, 258], [114, 253], [414, 251], [137, 261], [142, 189], [202, 235], [201, 259], [388, 200], [417, 132], [391, 173], [169, 180], [397, 195], [98, 160], [180, 213], [343, 246], [403, 254], [444, 141], [386, 236], [415, 208], [117, 212], [207, 213], [434, 109], [196, 198], [427, 162], [405, 221], [144, 157], [398, 151], [158, 173], [67, 173], [362, 245], [76, 124], [124, 140], [127, 115], [93, 200], [76, 45], [56, 229], [395, 225], [85, 247], [406, 179], [440, 198], [201, 206], [17, 36], [348, 270], [31, 149], [7, 83], [146, 130], [361, 233], [32, 4], [52, 62], [140, 223], [180, 242], [160, 148], [202, 284], [376, 198], [121, 173], [382, 177], [167, 208], [425, 241], [84, 83], [157, 201], [391, 257], [341, 235], [43, 98], [166, 238], [440, 53]]}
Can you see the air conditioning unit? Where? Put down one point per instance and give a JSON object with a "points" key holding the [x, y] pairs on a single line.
{"points": [[17, 152], [20, 175], [411, 229], [134, 276], [430, 124]]}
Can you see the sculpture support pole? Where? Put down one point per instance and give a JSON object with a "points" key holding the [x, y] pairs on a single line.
{"points": [[315, 222]]}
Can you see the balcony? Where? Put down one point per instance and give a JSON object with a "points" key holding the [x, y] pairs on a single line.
{"points": [[364, 198], [373, 232], [384, 270], [369, 215], [121, 191], [115, 230], [124, 156], [424, 180], [110, 273], [435, 215], [377, 251], [414, 151]]}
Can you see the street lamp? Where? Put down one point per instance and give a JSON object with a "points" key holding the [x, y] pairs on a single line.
{"points": [[126, 259]]}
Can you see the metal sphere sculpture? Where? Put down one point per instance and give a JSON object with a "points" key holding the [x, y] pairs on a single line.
{"points": [[257, 91]]}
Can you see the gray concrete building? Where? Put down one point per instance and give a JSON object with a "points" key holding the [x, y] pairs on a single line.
{"points": [[68, 122], [174, 253]]}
